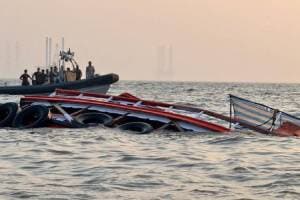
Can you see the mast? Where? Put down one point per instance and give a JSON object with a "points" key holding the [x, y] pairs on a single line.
{"points": [[62, 63], [62, 43], [170, 64], [47, 42], [50, 52]]}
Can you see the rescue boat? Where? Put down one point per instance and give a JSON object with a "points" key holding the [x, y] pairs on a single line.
{"points": [[97, 83]]}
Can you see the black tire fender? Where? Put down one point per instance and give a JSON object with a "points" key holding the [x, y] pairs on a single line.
{"points": [[33, 116], [8, 112], [89, 119], [136, 127], [67, 124]]}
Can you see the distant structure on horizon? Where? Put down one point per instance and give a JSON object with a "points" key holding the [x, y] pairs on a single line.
{"points": [[7, 56], [164, 63], [17, 55], [49, 58], [10, 57], [12, 61]]}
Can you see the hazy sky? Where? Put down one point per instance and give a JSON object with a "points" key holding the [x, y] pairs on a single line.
{"points": [[212, 40]]}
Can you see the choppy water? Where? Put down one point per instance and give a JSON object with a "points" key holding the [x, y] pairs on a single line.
{"points": [[99, 163]]}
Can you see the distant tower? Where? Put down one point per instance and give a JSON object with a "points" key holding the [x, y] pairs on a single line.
{"points": [[7, 56], [170, 64], [160, 62], [50, 52], [48, 56], [8, 68], [158, 67], [165, 63], [17, 55], [1, 55], [56, 54], [47, 48], [62, 64], [62, 49], [62, 43]]}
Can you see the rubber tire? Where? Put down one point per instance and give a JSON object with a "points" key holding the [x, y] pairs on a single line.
{"points": [[39, 114], [8, 112], [93, 119], [67, 124], [136, 127]]}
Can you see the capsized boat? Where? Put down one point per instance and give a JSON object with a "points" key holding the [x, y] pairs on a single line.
{"points": [[75, 109], [262, 118]]}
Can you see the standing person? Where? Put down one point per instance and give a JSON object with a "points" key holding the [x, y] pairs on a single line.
{"points": [[36, 77], [90, 71], [25, 78], [47, 76], [78, 73], [68, 75], [61, 72], [43, 77], [56, 75], [51, 75]]}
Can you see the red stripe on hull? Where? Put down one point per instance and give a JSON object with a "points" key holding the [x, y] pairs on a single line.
{"points": [[156, 112]]}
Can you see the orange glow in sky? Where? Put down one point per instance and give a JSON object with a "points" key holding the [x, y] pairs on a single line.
{"points": [[212, 40]]}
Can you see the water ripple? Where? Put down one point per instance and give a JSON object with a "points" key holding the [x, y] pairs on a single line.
{"points": [[101, 163]]}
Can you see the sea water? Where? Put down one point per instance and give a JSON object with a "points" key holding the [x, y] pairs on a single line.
{"points": [[103, 163]]}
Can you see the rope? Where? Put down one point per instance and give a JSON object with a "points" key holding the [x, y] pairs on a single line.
{"points": [[273, 118], [230, 113], [276, 111]]}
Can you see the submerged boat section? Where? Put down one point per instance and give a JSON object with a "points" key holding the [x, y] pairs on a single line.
{"points": [[262, 118], [123, 109], [76, 109]]}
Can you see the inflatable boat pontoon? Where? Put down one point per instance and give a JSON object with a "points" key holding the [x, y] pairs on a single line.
{"points": [[98, 84]]}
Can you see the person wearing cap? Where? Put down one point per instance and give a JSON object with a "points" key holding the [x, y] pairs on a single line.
{"points": [[90, 71]]}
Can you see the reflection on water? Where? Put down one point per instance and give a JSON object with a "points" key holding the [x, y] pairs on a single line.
{"points": [[100, 163]]}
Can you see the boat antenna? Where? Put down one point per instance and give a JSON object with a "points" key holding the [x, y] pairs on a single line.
{"points": [[50, 52], [47, 42]]}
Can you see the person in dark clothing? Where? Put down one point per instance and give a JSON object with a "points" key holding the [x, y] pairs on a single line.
{"points": [[25, 78], [51, 75], [36, 77], [43, 77], [78, 73], [56, 75], [90, 71], [47, 76]]}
